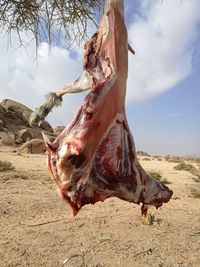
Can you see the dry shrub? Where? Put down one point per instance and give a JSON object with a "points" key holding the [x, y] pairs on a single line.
{"points": [[151, 218], [147, 159], [177, 159], [193, 159], [142, 153], [155, 174], [197, 160], [196, 179], [6, 166], [158, 176], [174, 159], [165, 181], [187, 167], [195, 193]]}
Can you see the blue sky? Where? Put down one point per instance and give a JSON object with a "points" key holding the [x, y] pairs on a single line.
{"points": [[163, 86], [169, 122]]}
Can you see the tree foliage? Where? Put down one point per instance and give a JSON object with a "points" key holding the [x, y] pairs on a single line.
{"points": [[47, 19]]}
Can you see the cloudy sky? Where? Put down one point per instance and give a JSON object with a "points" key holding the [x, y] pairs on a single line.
{"points": [[163, 94]]}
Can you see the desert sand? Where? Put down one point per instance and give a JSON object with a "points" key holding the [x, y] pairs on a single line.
{"points": [[37, 228]]}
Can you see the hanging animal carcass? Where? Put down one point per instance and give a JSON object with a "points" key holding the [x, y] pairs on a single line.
{"points": [[94, 158]]}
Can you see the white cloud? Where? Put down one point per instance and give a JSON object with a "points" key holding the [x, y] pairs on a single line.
{"points": [[175, 114], [27, 80], [163, 37]]}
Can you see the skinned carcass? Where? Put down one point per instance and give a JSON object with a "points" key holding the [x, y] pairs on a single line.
{"points": [[94, 157]]}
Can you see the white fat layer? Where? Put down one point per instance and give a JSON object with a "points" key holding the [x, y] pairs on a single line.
{"points": [[63, 150], [104, 27], [84, 82]]}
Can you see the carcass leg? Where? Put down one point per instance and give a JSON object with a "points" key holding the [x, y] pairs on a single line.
{"points": [[85, 82]]}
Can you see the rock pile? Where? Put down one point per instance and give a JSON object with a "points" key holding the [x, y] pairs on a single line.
{"points": [[15, 130]]}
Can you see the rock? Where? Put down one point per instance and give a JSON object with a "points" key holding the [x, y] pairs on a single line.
{"points": [[58, 129], [34, 146], [46, 126], [2, 114], [21, 111], [1, 125], [24, 135], [36, 132], [6, 139], [14, 118], [1, 109]]}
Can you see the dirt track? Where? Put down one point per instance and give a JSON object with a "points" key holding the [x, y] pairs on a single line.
{"points": [[37, 228]]}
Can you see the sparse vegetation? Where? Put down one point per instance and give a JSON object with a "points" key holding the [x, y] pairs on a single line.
{"points": [[196, 179], [142, 153], [24, 177], [195, 193], [187, 167], [179, 159], [151, 218], [6, 166], [147, 159], [159, 158], [157, 175], [173, 159], [197, 160], [165, 181]]}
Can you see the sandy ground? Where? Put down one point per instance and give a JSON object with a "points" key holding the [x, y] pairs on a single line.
{"points": [[37, 229]]}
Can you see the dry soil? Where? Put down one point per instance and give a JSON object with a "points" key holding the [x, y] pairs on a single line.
{"points": [[37, 228]]}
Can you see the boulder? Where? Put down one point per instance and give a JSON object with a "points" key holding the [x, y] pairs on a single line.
{"points": [[36, 132], [24, 135], [6, 139], [58, 130], [14, 118], [21, 111], [1, 109], [1, 125], [46, 126], [34, 146], [2, 114]]}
